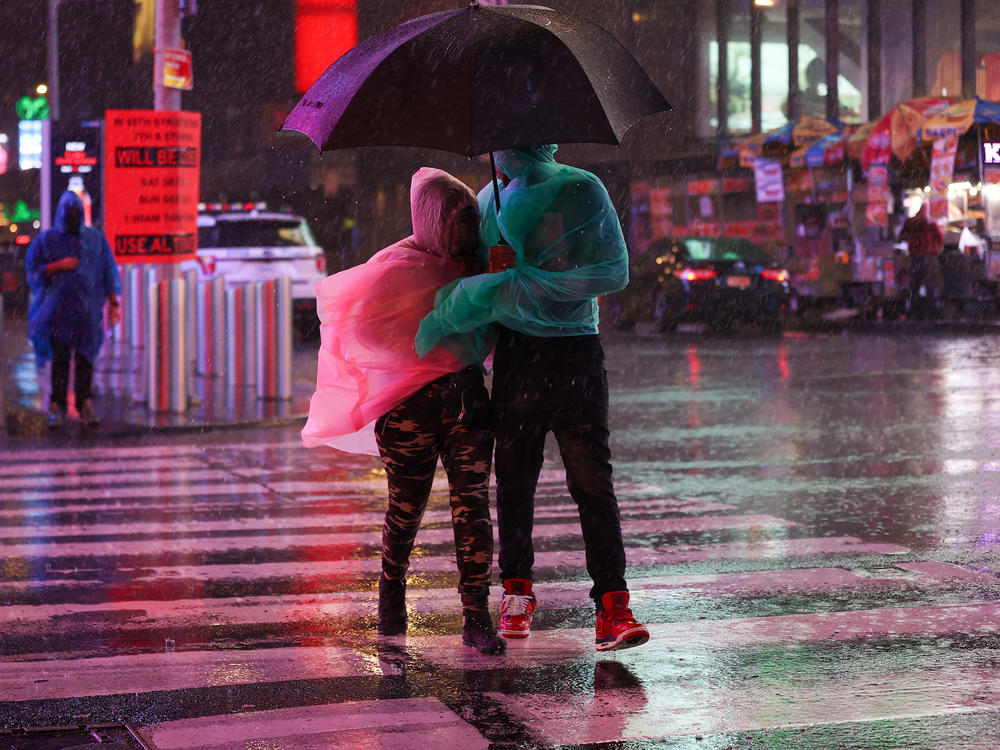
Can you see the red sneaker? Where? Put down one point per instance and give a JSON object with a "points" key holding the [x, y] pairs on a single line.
{"points": [[616, 628], [516, 607]]}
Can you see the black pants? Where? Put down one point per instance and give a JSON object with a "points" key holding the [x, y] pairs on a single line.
{"points": [[83, 375], [558, 385], [449, 418], [925, 271]]}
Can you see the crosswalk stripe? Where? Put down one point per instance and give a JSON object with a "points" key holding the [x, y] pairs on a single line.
{"points": [[180, 613], [55, 456], [291, 537], [355, 569], [189, 669], [149, 477], [399, 723], [31, 525], [700, 710]]}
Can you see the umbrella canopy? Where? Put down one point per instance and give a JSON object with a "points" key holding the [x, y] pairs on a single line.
{"points": [[477, 80], [778, 141], [895, 133], [802, 130], [958, 118], [829, 150]]}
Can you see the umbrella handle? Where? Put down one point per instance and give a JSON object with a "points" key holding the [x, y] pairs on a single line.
{"points": [[496, 195]]}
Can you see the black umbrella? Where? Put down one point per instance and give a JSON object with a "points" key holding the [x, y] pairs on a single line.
{"points": [[476, 80]]}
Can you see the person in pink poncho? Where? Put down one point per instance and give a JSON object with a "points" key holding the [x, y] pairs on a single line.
{"points": [[374, 395]]}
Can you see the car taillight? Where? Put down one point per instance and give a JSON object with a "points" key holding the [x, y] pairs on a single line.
{"points": [[207, 263], [321, 263], [697, 274], [775, 274]]}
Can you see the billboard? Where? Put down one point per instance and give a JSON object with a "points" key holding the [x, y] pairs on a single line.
{"points": [[153, 161], [75, 161]]}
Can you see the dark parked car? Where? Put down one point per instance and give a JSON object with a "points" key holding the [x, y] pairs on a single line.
{"points": [[719, 281], [13, 285]]}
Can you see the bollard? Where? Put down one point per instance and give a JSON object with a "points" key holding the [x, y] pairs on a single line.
{"points": [[210, 325], [135, 286], [3, 374], [273, 303], [166, 358], [191, 285], [240, 350]]}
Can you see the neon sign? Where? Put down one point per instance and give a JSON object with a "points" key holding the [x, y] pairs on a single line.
{"points": [[991, 153]]}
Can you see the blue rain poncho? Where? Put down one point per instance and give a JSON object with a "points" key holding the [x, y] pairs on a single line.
{"points": [[68, 305], [569, 248]]}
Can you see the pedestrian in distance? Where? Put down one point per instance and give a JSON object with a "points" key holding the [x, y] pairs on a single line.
{"points": [[374, 395], [924, 243], [72, 274], [549, 374]]}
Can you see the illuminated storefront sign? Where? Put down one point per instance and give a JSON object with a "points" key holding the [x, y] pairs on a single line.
{"points": [[324, 30], [29, 144], [991, 153], [4, 153]]}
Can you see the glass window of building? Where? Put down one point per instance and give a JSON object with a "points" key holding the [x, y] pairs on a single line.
{"points": [[706, 65], [737, 22], [852, 80], [773, 65], [987, 50], [812, 58], [897, 52], [943, 29]]}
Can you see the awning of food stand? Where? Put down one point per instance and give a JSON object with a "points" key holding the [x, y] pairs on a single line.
{"points": [[958, 118], [802, 130], [829, 150], [895, 133]]}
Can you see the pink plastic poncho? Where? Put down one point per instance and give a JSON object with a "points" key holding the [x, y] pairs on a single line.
{"points": [[369, 315]]}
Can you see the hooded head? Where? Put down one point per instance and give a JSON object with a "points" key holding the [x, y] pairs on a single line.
{"points": [[445, 215], [515, 161], [69, 213]]}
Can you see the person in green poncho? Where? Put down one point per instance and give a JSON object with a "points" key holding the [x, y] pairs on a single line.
{"points": [[548, 369]]}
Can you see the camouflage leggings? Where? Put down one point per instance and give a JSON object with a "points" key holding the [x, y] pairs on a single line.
{"points": [[447, 418]]}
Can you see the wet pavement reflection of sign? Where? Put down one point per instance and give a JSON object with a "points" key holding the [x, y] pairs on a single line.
{"points": [[151, 178]]}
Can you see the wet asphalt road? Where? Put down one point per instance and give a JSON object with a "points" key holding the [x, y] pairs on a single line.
{"points": [[812, 529]]}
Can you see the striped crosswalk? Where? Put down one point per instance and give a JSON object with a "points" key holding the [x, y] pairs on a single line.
{"points": [[222, 595]]}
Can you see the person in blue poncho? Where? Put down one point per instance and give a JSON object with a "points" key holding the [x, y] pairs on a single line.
{"points": [[72, 273], [548, 370]]}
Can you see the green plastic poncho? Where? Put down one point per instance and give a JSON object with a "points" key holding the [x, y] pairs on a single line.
{"points": [[569, 248]]}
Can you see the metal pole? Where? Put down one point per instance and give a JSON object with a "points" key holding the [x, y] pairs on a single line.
{"points": [[3, 375], [191, 285], [166, 357], [273, 303], [240, 349], [756, 31], [168, 36], [210, 314], [794, 95], [53, 59]]}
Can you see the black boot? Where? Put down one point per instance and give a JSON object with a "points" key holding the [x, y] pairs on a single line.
{"points": [[391, 606], [479, 633]]}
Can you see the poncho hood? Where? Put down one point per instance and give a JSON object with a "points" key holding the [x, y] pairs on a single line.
{"points": [[436, 198], [68, 200], [368, 319]]}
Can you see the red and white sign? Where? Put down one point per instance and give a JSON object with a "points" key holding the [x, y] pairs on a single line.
{"points": [[943, 163], [177, 69], [768, 179], [152, 167]]}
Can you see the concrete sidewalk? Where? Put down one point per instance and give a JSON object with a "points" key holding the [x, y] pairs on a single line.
{"points": [[119, 387]]}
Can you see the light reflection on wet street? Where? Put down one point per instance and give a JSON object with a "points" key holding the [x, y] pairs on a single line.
{"points": [[811, 523]]}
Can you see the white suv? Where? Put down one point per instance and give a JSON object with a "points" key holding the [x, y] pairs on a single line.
{"points": [[244, 242]]}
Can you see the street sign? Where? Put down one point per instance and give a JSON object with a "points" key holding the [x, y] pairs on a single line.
{"points": [[177, 69], [151, 176]]}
